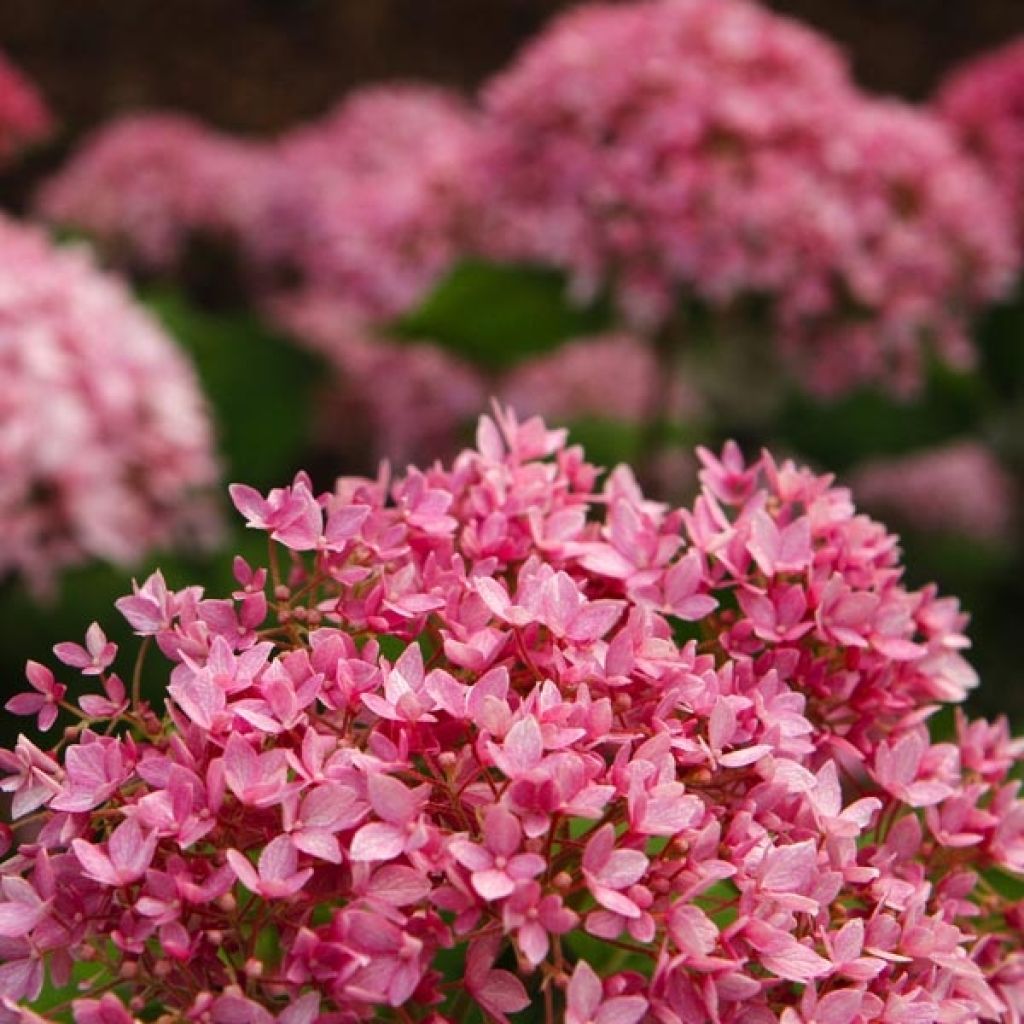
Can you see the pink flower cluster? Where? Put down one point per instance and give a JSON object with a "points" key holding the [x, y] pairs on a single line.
{"points": [[105, 442], [731, 157], [24, 116], [401, 401], [607, 377], [367, 205], [145, 184], [495, 735], [410, 401], [959, 488], [983, 101]]}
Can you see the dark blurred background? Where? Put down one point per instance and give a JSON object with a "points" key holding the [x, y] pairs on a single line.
{"points": [[260, 65]]}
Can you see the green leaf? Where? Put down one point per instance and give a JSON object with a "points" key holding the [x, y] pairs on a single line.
{"points": [[498, 315], [259, 384], [52, 996]]}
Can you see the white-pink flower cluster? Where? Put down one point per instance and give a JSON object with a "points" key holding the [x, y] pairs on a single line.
{"points": [[731, 157], [105, 442], [984, 102], [144, 185], [958, 488]]}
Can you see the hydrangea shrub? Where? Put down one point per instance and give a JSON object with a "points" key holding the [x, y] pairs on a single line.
{"points": [[498, 735]]}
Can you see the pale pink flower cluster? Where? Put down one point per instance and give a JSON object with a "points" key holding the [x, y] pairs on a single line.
{"points": [[983, 100], [958, 488], [24, 116], [608, 377], [470, 716], [731, 157], [105, 442], [145, 185], [368, 204]]}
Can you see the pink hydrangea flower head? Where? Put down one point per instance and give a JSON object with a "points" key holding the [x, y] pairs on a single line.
{"points": [[732, 158], [105, 440], [608, 377], [957, 488], [24, 116], [983, 100], [366, 206], [144, 185], [503, 735]]}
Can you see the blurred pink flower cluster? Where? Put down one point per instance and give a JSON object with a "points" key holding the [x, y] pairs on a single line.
{"points": [[984, 102], [367, 205], [104, 436], [731, 157], [24, 116], [959, 488], [403, 401], [607, 377], [145, 185], [475, 715], [411, 400]]}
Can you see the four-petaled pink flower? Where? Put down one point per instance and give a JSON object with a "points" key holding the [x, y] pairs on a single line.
{"points": [[534, 917], [276, 875], [44, 702], [898, 769], [400, 829], [585, 1001], [128, 855], [496, 867], [608, 871], [498, 992], [94, 658]]}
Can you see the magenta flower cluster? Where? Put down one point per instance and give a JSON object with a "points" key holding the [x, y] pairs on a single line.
{"points": [[24, 116], [983, 101], [497, 734], [106, 445], [730, 157], [146, 184]]}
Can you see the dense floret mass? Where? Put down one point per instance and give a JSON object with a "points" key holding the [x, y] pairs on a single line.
{"points": [[105, 440], [497, 734], [145, 185], [984, 102], [729, 159]]}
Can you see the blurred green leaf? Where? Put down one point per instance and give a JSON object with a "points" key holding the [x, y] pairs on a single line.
{"points": [[870, 423], [498, 315], [260, 386]]}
